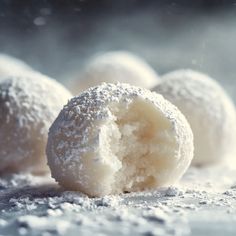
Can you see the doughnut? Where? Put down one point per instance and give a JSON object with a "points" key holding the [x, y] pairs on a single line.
{"points": [[28, 106], [114, 138], [209, 111], [117, 66]]}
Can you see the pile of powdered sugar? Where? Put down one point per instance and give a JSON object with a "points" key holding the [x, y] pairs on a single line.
{"points": [[204, 199]]}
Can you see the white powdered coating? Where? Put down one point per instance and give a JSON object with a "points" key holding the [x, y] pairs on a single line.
{"points": [[28, 106], [43, 223], [10, 66], [90, 149], [117, 66], [208, 109], [37, 206]]}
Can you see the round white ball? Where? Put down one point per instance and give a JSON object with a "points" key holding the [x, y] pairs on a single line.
{"points": [[117, 66], [115, 138], [208, 109], [10, 66], [28, 106]]}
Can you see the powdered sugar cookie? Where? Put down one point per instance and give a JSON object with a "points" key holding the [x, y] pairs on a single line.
{"points": [[114, 67], [10, 66], [208, 109], [116, 137], [28, 106]]}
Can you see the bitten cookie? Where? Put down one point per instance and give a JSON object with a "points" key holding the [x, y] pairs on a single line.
{"points": [[115, 138]]}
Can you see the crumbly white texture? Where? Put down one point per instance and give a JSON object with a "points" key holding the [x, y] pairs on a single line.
{"points": [[28, 106], [117, 66], [209, 111], [116, 137], [10, 66]]}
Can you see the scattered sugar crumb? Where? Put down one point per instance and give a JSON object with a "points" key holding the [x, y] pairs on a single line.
{"points": [[38, 205]]}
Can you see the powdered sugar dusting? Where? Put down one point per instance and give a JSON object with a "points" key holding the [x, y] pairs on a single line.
{"points": [[42, 207]]}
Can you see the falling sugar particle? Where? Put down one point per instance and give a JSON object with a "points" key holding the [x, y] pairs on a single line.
{"points": [[40, 21]]}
